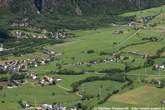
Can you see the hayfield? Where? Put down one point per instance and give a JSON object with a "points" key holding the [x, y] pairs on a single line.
{"points": [[148, 48], [101, 88], [144, 96], [34, 95]]}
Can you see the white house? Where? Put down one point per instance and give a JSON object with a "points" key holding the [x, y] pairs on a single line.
{"points": [[1, 48]]}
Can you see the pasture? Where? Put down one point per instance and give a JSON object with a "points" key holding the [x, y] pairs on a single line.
{"points": [[142, 96], [34, 95], [91, 54]]}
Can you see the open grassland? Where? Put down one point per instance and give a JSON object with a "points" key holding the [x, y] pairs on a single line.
{"points": [[146, 72], [148, 48], [67, 80], [147, 12], [35, 95], [100, 88], [98, 40], [142, 96]]}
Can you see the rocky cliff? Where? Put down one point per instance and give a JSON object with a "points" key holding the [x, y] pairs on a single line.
{"points": [[3, 3], [79, 7], [72, 14]]}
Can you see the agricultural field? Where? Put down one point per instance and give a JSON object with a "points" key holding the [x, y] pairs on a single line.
{"points": [[140, 96], [35, 95]]}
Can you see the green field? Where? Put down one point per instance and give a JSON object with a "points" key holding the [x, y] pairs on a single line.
{"points": [[101, 88], [139, 97], [92, 45], [35, 95]]}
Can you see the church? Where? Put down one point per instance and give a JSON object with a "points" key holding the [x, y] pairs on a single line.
{"points": [[1, 48]]}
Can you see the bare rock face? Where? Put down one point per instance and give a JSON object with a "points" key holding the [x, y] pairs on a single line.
{"points": [[77, 7], [78, 11], [3, 3]]}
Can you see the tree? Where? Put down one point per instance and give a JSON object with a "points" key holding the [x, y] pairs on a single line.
{"points": [[1, 88], [3, 35], [39, 4]]}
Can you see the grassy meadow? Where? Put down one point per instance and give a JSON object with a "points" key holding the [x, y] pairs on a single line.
{"points": [[102, 43]]}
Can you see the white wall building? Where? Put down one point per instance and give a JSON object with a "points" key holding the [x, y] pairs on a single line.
{"points": [[1, 48]]}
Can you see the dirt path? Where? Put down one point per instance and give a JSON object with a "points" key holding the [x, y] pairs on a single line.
{"points": [[131, 36], [62, 87]]}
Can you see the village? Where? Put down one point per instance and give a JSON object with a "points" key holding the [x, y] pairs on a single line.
{"points": [[56, 106], [22, 65], [51, 62], [24, 68], [33, 32], [45, 35]]}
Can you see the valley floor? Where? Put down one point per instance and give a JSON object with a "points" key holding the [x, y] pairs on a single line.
{"points": [[112, 66]]}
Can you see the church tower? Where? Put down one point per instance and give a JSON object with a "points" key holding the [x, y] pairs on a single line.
{"points": [[39, 5], [1, 47]]}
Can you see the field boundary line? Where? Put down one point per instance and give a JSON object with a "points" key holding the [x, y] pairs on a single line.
{"points": [[62, 87], [131, 36]]}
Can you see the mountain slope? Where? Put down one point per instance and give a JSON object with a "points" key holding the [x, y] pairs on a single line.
{"points": [[88, 7], [72, 14]]}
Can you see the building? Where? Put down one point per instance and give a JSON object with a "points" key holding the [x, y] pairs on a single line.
{"points": [[1, 48]]}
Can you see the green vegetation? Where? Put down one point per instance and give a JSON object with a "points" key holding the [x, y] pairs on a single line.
{"points": [[35, 95], [101, 67], [138, 97]]}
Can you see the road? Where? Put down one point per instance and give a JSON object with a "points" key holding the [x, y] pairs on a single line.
{"points": [[62, 87]]}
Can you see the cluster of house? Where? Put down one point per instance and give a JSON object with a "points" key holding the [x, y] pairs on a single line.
{"points": [[57, 106], [15, 66], [26, 35], [20, 23], [58, 35], [113, 58], [149, 18], [15, 83], [33, 76], [159, 67], [46, 80]]}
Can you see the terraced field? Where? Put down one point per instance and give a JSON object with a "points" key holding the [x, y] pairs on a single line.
{"points": [[140, 96]]}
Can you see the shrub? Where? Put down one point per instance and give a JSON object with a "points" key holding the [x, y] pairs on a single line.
{"points": [[90, 51], [17, 76]]}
